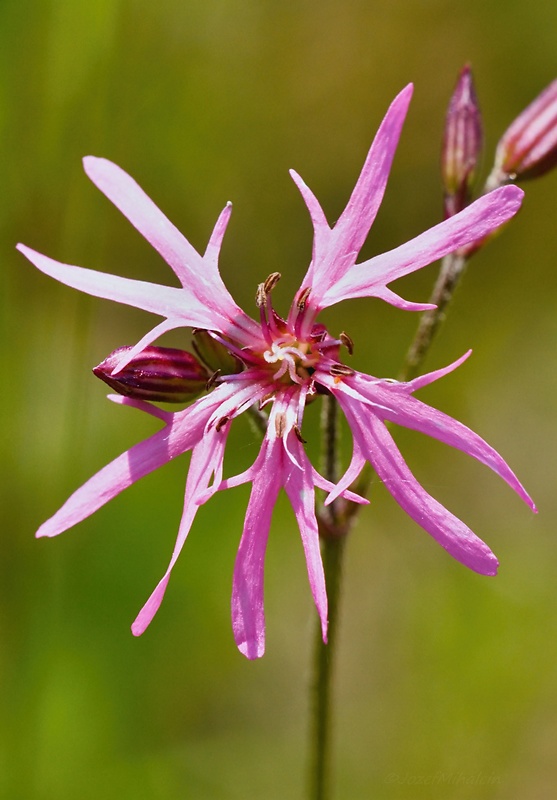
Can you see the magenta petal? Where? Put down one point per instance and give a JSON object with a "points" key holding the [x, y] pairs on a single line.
{"points": [[321, 229], [248, 615], [474, 223], [414, 414], [431, 377], [335, 250], [180, 434], [199, 276], [388, 296], [166, 301], [128, 468], [450, 532], [393, 403], [354, 468], [212, 251], [299, 488], [144, 215], [206, 461], [353, 226]]}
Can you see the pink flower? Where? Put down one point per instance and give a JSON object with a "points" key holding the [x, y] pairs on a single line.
{"points": [[285, 362]]}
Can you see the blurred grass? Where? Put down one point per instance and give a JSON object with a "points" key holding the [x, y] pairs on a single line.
{"points": [[441, 672]]}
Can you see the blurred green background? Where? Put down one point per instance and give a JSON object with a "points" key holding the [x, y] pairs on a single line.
{"points": [[447, 681]]}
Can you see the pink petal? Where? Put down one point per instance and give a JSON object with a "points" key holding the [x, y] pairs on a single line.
{"points": [[431, 377], [353, 226], [327, 486], [321, 229], [166, 301], [206, 461], [336, 249], [199, 276], [450, 532], [388, 296], [354, 468], [142, 405], [212, 251], [300, 490], [180, 434], [397, 406], [248, 615], [472, 224]]}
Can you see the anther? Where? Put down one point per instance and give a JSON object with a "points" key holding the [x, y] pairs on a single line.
{"points": [[213, 379], [221, 423], [265, 399], [299, 436], [341, 370], [347, 342], [303, 298], [261, 295], [271, 282], [280, 424]]}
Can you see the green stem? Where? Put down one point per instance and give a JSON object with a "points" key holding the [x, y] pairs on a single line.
{"points": [[332, 550], [333, 526], [452, 268]]}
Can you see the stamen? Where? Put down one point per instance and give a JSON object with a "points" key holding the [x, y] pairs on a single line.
{"points": [[221, 423], [212, 380], [301, 303], [303, 298], [261, 295], [341, 370], [347, 342], [271, 282], [280, 424], [265, 327], [299, 436], [243, 355]]}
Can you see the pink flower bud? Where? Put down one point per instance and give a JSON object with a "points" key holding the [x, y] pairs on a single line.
{"points": [[157, 373], [528, 148], [462, 144]]}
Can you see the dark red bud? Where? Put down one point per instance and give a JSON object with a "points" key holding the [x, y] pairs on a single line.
{"points": [[163, 374]]}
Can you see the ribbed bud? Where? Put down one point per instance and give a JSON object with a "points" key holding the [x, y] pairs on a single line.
{"points": [[162, 374], [462, 144], [214, 354], [528, 148]]}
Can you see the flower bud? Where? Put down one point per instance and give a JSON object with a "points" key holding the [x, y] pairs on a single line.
{"points": [[163, 374], [462, 144], [214, 354], [528, 148]]}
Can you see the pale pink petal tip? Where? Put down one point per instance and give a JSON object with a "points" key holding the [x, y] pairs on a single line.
{"points": [[145, 616], [47, 531], [252, 649]]}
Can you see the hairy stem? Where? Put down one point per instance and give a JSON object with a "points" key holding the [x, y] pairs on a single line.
{"points": [[452, 268], [333, 527]]}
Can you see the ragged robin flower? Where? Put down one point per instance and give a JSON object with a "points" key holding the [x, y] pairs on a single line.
{"points": [[283, 362]]}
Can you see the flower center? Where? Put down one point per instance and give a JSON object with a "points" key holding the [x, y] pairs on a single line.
{"points": [[292, 357]]}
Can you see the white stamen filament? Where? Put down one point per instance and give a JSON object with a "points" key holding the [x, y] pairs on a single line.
{"points": [[289, 356]]}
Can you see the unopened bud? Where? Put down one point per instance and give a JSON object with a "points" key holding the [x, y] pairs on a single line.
{"points": [[214, 354], [162, 374], [528, 148], [462, 144]]}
